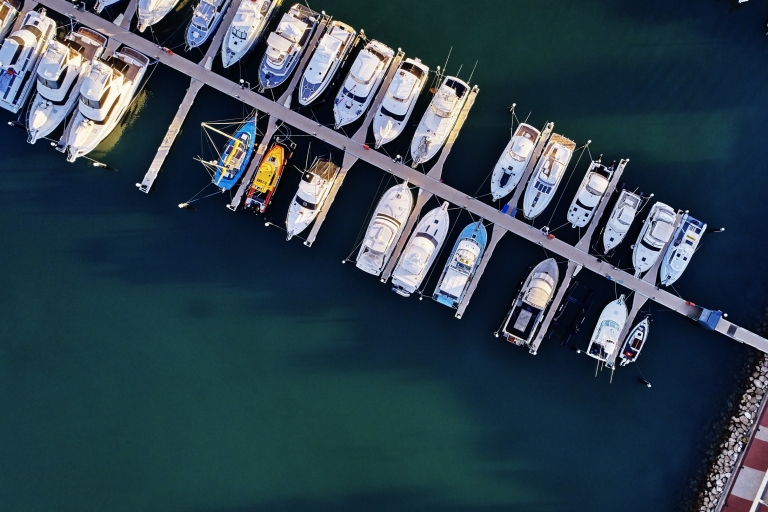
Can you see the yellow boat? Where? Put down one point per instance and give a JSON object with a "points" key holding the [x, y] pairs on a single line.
{"points": [[268, 176]]}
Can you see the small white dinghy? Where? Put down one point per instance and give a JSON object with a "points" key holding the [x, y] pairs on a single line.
{"points": [[605, 338], [635, 342], [385, 228], [511, 166]]}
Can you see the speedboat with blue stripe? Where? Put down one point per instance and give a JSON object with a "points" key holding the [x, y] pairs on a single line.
{"points": [[286, 44], [462, 264], [236, 156], [205, 20], [680, 250]]}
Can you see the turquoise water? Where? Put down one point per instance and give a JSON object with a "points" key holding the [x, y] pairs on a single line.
{"points": [[153, 358]]}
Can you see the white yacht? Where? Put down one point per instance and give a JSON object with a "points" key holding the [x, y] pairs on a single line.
{"points": [[605, 338], [621, 218], [105, 96], [362, 82], [656, 232], [547, 175], [634, 342], [313, 190], [439, 119], [151, 11], [9, 9], [205, 20], [286, 45], [61, 73], [461, 266], [589, 194], [397, 106], [103, 4], [511, 166], [421, 250], [681, 249], [527, 311], [19, 57], [247, 27], [330, 53], [385, 228]]}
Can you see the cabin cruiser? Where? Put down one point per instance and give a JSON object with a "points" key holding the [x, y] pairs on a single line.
{"points": [[331, 51], [362, 82], [9, 9], [461, 265], [250, 20], [151, 11], [439, 119], [605, 338], [621, 218], [589, 194], [286, 44], [236, 155], [420, 252], [19, 57], [634, 342], [513, 162], [267, 177], [680, 250], [527, 310], [385, 229], [547, 175], [205, 19], [62, 71], [397, 106], [314, 187], [105, 96], [656, 232]]}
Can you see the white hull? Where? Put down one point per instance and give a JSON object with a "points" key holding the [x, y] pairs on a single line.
{"points": [[657, 231], [385, 229], [362, 82], [398, 104], [310, 198], [621, 219], [421, 250], [527, 312], [681, 249], [152, 11], [635, 342], [325, 62], [605, 338], [246, 29], [547, 176], [511, 165], [589, 194], [439, 119], [201, 28]]}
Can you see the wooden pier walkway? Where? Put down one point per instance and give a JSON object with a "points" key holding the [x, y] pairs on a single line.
{"points": [[189, 98], [359, 137], [435, 187]]}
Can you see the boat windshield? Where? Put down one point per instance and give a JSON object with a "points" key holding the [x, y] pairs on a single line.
{"points": [[52, 83], [240, 34]]}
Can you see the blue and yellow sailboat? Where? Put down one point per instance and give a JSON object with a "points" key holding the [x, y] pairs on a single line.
{"points": [[237, 153]]}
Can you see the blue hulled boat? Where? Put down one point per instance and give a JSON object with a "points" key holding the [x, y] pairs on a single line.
{"points": [[462, 264], [236, 156]]}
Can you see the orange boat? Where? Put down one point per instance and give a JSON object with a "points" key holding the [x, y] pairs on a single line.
{"points": [[268, 176]]}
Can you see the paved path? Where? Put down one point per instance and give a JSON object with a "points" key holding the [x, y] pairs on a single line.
{"points": [[442, 190]]}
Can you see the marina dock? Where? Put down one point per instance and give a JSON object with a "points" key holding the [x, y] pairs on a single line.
{"points": [[427, 183]]}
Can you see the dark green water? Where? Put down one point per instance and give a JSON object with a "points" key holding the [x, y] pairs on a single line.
{"points": [[158, 359]]}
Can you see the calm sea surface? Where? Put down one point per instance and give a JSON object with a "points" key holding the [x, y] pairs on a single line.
{"points": [[159, 359]]}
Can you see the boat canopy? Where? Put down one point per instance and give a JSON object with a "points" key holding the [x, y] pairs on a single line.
{"points": [[521, 147], [278, 43], [598, 184], [662, 231], [291, 28], [381, 234], [539, 291]]}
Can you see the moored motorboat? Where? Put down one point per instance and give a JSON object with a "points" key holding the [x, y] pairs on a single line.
{"points": [[9, 9], [681, 249], [622, 215], [236, 155], [19, 57], [150, 12], [62, 71], [286, 44], [205, 20], [314, 187], [267, 177], [397, 106], [331, 51], [247, 27], [605, 338], [439, 119], [461, 266], [512, 163], [105, 95], [635, 342], [547, 175], [420, 251], [385, 228], [657, 231], [362, 82], [527, 312], [589, 194]]}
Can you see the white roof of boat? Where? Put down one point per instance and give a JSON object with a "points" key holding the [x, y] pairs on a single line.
{"points": [[291, 28], [453, 283], [522, 145], [417, 258], [380, 235], [279, 43], [662, 231], [365, 66], [626, 215], [402, 84], [598, 182]]}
